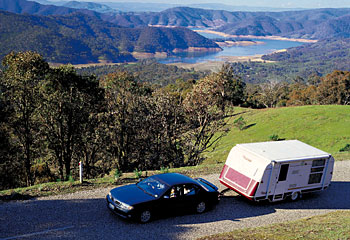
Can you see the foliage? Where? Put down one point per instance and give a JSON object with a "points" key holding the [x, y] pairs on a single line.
{"points": [[239, 123], [206, 110], [118, 174], [147, 71], [274, 137], [21, 77], [345, 149], [138, 173], [164, 169], [67, 103]]}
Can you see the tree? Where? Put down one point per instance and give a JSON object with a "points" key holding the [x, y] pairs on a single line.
{"points": [[205, 111], [233, 89], [335, 88], [122, 118], [21, 78], [65, 110], [270, 94]]}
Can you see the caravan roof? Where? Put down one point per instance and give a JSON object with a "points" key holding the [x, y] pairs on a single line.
{"points": [[280, 151]]}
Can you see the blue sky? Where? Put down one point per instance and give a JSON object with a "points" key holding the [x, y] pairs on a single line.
{"points": [[255, 3]]}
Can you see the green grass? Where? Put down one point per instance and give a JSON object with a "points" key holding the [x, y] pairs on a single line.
{"points": [[333, 225], [324, 127], [54, 188]]}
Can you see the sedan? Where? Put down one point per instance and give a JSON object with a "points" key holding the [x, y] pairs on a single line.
{"points": [[160, 194]]}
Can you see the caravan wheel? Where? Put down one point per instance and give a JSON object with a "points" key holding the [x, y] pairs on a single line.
{"points": [[295, 196]]}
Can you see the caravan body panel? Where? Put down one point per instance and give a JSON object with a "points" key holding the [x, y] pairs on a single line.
{"points": [[275, 170]]}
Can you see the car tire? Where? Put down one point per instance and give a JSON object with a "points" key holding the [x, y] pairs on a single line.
{"points": [[201, 207], [145, 216]]}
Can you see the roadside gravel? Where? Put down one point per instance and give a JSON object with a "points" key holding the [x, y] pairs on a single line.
{"points": [[84, 215]]}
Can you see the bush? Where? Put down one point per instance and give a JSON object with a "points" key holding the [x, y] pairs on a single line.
{"points": [[274, 137], [164, 169], [42, 174], [117, 174], [138, 173], [345, 149], [240, 123]]}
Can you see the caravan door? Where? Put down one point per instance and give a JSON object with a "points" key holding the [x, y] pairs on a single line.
{"points": [[281, 182]]}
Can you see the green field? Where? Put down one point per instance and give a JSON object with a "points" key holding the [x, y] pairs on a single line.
{"points": [[333, 225], [324, 127]]}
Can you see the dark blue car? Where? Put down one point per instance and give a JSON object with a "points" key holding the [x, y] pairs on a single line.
{"points": [[161, 194]]}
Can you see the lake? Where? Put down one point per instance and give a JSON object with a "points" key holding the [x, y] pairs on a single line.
{"points": [[267, 47]]}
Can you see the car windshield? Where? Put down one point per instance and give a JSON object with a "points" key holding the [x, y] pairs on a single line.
{"points": [[153, 186]]}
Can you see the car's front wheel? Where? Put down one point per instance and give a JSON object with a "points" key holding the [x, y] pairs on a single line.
{"points": [[201, 207], [145, 216]]}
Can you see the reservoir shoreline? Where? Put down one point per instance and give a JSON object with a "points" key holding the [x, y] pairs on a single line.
{"points": [[256, 37]]}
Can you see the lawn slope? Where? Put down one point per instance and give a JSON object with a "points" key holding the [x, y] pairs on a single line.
{"points": [[333, 225], [324, 127]]}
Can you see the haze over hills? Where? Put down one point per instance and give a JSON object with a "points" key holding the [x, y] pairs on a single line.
{"points": [[138, 6]]}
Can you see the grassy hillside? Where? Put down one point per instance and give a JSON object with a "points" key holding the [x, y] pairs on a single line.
{"points": [[324, 127], [334, 225]]}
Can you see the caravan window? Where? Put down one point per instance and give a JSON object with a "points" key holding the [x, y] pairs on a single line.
{"points": [[319, 162], [316, 171], [283, 172]]}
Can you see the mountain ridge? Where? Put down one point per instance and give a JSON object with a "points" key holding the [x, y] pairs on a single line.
{"points": [[79, 38], [306, 24]]}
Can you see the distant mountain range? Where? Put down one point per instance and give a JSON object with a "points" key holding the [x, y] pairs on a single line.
{"points": [[309, 24], [79, 38], [137, 6]]}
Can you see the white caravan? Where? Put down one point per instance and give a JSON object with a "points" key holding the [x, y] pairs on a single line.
{"points": [[277, 170]]}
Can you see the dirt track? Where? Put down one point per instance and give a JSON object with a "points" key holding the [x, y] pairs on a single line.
{"points": [[84, 215]]}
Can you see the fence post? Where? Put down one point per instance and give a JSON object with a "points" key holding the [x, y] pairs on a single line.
{"points": [[81, 171]]}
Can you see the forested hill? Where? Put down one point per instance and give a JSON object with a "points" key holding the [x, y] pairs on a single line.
{"points": [[79, 38], [333, 52], [310, 24]]}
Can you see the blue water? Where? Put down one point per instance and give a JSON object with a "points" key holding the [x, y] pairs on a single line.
{"points": [[267, 47]]}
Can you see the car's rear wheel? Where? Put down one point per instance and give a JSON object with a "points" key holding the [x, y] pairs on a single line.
{"points": [[145, 216], [201, 207]]}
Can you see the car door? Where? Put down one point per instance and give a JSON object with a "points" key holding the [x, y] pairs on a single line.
{"points": [[191, 196], [172, 201]]}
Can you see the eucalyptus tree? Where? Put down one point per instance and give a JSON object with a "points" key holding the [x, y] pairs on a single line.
{"points": [[122, 118], [68, 100], [23, 73], [206, 112]]}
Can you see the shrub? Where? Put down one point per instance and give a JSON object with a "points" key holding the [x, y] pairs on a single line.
{"points": [[164, 169], [345, 149], [274, 137], [240, 123], [138, 173], [117, 174]]}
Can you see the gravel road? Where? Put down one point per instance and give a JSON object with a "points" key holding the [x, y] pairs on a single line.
{"points": [[84, 215]]}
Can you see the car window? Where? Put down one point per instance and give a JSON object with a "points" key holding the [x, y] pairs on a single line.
{"points": [[152, 186], [190, 190]]}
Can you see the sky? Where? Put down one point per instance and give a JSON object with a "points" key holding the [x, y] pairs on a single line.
{"points": [[253, 3]]}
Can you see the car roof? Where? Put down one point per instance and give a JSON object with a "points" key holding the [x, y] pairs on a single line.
{"points": [[175, 178]]}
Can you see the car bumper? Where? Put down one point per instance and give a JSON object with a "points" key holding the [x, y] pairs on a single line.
{"points": [[112, 206]]}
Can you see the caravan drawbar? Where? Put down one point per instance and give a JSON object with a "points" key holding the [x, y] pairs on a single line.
{"points": [[277, 170]]}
